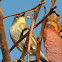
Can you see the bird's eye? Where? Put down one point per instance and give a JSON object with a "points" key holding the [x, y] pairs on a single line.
{"points": [[16, 17]]}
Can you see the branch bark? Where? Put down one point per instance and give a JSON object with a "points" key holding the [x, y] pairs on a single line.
{"points": [[53, 2], [4, 47], [36, 13], [49, 13], [29, 40], [39, 40]]}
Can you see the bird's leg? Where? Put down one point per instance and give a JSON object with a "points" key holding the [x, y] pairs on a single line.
{"points": [[24, 52]]}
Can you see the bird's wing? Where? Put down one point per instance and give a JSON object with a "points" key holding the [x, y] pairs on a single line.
{"points": [[17, 31]]}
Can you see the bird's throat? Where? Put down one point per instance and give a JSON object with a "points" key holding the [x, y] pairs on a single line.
{"points": [[22, 20]]}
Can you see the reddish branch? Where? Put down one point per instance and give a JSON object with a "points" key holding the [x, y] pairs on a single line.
{"points": [[4, 47]]}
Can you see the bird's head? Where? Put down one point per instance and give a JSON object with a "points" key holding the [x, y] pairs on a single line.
{"points": [[19, 18]]}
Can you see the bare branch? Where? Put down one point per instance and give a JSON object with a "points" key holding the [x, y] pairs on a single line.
{"points": [[53, 2], [45, 10], [38, 9], [28, 16], [40, 39], [4, 47], [29, 40], [49, 13], [25, 11]]}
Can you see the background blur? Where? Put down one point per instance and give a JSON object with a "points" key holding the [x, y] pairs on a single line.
{"points": [[10, 7]]}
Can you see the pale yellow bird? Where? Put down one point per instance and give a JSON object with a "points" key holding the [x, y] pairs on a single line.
{"points": [[20, 28]]}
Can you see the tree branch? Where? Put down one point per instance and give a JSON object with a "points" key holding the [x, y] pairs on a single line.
{"points": [[25, 11], [38, 9], [49, 13], [53, 2], [29, 40], [4, 47], [40, 39]]}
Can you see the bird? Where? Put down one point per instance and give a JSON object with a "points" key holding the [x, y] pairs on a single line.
{"points": [[52, 42], [20, 28]]}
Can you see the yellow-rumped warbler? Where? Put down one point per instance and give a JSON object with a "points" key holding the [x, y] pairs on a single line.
{"points": [[20, 28]]}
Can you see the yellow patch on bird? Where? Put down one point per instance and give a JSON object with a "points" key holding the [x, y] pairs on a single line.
{"points": [[54, 24], [21, 20]]}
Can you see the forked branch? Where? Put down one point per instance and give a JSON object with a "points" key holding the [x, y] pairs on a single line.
{"points": [[26, 11]]}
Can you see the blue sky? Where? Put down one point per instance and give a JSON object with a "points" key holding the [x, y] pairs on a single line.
{"points": [[10, 7]]}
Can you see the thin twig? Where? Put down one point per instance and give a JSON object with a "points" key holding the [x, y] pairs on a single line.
{"points": [[29, 12], [29, 40], [45, 10], [25, 11], [35, 17], [38, 9], [53, 2], [40, 39], [4, 47], [49, 13]]}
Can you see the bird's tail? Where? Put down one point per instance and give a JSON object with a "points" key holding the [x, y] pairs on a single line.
{"points": [[43, 58]]}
